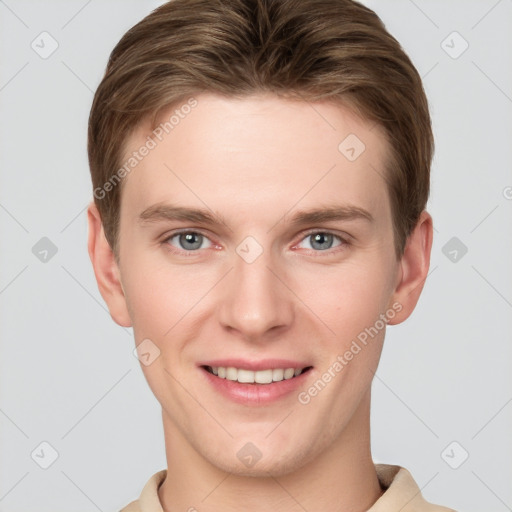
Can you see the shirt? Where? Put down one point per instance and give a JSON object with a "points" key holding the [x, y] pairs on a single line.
{"points": [[401, 493]]}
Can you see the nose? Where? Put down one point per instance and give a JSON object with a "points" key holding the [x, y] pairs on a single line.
{"points": [[256, 305]]}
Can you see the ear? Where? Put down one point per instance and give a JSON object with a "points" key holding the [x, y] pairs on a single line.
{"points": [[106, 269], [413, 269]]}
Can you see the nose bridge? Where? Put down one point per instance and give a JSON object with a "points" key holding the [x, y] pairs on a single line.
{"points": [[254, 301]]}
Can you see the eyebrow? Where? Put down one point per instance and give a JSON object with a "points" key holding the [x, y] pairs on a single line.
{"points": [[330, 213], [169, 212], [164, 211]]}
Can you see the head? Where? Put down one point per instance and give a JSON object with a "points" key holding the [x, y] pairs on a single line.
{"points": [[260, 172]]}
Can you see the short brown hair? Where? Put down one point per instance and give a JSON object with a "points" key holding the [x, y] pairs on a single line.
{"points": [[313, 50]]}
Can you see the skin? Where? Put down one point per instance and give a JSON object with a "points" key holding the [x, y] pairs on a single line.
{"points": [[257, 161]]}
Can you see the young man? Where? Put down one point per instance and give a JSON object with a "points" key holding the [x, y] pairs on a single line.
{"points": [[260, 173]]}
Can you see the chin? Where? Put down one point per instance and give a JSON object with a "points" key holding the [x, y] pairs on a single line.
{"points": [[264, 463]]}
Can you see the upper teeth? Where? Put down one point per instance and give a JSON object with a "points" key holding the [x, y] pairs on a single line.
{"points": [[259, 377]]}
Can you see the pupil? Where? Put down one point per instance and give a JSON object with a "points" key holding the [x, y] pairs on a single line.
{"points": [[192, 239], [320, 239]]}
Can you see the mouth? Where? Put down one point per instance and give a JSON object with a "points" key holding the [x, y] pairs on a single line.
{"points": [[254, 383], [266, 376]]}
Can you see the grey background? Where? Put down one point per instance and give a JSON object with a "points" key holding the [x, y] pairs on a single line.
{"points": [[67, 373]]}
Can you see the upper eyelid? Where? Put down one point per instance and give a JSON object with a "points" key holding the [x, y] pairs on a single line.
{"points": [[168, 237], [343, 238], [328, 231], [173, 233]]}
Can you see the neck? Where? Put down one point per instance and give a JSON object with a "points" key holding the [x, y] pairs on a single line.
{"points": [[340, 479]]}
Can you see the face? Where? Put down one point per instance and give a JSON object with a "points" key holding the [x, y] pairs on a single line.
{"points": [[256, 243]]}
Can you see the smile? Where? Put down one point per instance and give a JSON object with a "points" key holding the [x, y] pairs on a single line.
{"points": [[244, 376]]}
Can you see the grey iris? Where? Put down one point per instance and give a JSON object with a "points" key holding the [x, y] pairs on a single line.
{"points": [[188, 238], [321, 241]]}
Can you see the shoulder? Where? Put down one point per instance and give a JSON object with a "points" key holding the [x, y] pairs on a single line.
{"points": [[401, 492], [148, 500], [131, 507]]}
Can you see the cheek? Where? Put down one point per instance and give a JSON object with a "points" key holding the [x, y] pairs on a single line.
{"points": [[161, 296], [347, 297], [153, 296]]}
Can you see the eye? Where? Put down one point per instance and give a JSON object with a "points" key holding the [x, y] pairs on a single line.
{"points": [[188, 241], [322, 240]]}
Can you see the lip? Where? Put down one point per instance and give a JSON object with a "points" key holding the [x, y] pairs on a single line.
{"points": [[255, 394], [263, 364]]}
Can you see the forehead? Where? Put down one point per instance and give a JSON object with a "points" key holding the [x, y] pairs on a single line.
{"points": [[257, 154]]}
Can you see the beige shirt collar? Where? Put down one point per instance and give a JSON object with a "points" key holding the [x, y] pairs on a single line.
{"points": [[402, 494]]}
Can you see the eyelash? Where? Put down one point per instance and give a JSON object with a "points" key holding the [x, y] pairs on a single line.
{"points": [[343, 242]]}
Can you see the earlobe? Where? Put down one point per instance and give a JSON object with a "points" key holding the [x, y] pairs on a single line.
{"points": [[414, 267], [106, 269]]}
